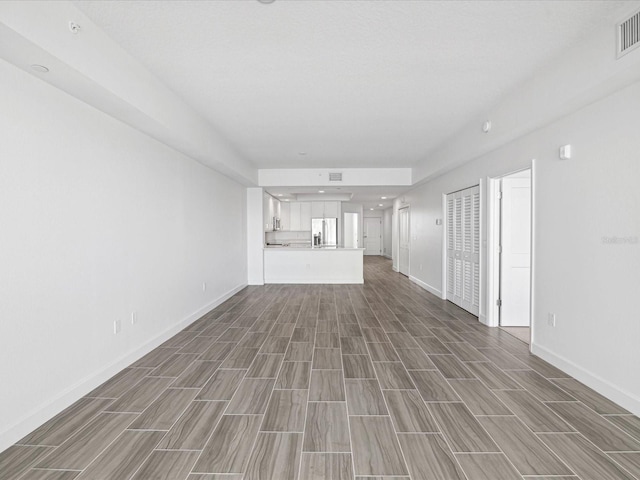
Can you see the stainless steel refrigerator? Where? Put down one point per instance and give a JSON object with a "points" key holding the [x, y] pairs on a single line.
{"points": [[324, 232]]}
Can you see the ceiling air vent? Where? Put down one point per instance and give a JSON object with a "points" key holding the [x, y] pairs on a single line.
{"points": [[629, 34], [335, 177]]}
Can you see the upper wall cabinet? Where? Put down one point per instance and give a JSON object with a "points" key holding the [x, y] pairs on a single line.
{"points": [[285, 216], [270, 209], [325, 209], [299, 217]]}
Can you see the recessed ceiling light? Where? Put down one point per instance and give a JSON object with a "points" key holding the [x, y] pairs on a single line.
{"points": [[371, 209], [383, 198], [380, 205], [279, 195], [39, 68], [320, 191], [286, 199]]}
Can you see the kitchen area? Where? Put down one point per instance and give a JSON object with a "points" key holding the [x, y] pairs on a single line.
{"points": [[304, 242]]}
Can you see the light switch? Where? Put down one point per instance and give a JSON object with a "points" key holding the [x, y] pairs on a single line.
{"points": [[565, 152]]}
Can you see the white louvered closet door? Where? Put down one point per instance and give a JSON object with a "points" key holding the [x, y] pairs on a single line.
{"points": [[463, 249]]}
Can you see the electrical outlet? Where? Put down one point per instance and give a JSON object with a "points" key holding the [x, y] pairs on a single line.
{"points": [[116, 327], [204, 286], [134, 318], [551, 320]]}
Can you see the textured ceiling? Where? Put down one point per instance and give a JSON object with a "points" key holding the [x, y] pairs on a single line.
{"points": [[349, 83]]}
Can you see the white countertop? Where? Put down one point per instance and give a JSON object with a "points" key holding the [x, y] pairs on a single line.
{"points": [[308, 249]]}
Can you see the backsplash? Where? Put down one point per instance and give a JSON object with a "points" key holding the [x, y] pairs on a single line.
{"points": [[296, 238]]}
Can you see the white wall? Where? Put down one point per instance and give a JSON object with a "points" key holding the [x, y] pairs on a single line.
{"points": [[98, 220], [352, 208], [255, 236], [589, 284], [386, 232]]}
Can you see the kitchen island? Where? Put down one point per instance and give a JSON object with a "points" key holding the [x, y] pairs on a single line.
{"points": [[313, 265]]}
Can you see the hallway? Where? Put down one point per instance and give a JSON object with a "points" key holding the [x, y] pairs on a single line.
{"points": [[376, 382]]}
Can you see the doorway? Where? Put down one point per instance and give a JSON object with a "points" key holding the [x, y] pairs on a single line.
{"points": [[514, 254], [372, 236], [404, 241]]}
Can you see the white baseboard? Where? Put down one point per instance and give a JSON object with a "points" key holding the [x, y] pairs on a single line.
{"points": [[599, 384], [51, 408], [483, 319], [394, 268], [388, 256], [426, 286]]}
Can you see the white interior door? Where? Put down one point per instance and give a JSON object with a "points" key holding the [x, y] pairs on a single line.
{"points": [[404, 241], [372, 236], [515, 259], [463, 249]]}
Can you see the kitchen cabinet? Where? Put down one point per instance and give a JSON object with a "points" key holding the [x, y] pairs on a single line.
{"points": [[325, 209], [270, 209], [305, 216], [294, 216], [299, 216], [285, 216]]}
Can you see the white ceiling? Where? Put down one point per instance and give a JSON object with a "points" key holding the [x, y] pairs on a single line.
{"points": [[349, 83]]}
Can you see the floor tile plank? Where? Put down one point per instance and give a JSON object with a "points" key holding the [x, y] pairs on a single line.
{"points": [[364, 397], [594, 427], [275, 455], [326, 466], [358, 366], [69, 421], [251, 398], [433, 387], [409, 413], [487, 467], [194, 427], [141, 396], [537, 416], [461, 429], [165, 410], [294, 375], [393, 376], [376, 450], [326, 385], [428, 457], [479, 398], [123, 457], [527, 453], [589, 397], [78, 452], [167, 465], [583, 458], [222, 385], [230, 445], [326, 428], [17, 459], [327, 359], [286, 411]]}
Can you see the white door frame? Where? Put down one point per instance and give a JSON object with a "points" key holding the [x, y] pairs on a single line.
{"points": [[408, 209], [493, 254]]}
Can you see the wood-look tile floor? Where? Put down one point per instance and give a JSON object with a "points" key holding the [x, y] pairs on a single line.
{"points": [[381, 381]]}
